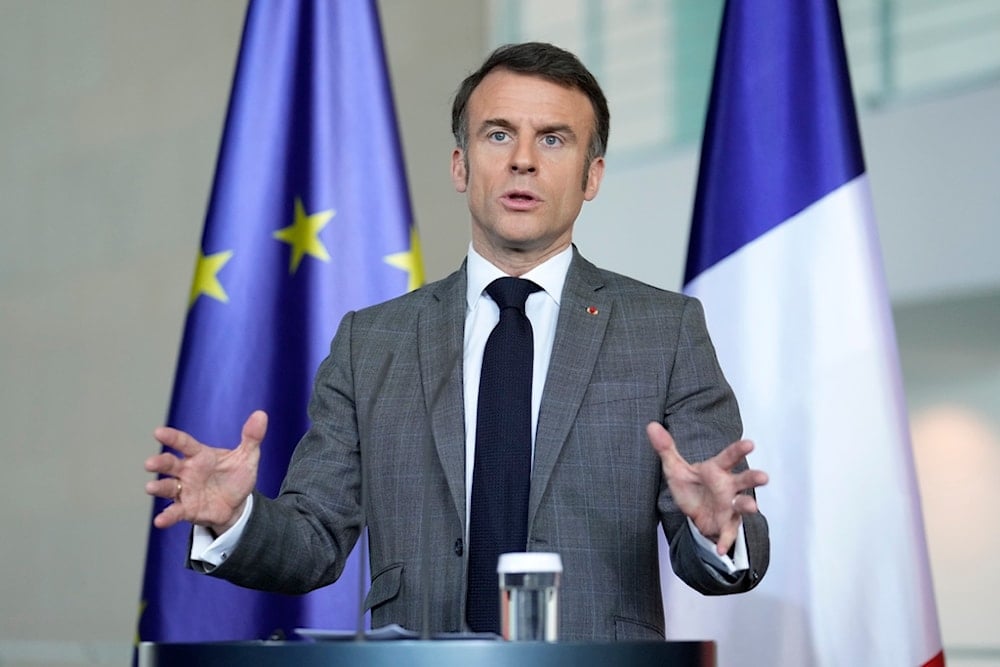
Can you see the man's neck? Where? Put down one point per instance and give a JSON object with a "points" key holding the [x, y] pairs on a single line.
{"points": [[514, 261]]}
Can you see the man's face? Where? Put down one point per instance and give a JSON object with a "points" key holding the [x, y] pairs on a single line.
{"points": [[523, 172]]}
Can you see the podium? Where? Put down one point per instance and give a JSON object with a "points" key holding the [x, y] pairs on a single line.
{"points": [[444, 653]]}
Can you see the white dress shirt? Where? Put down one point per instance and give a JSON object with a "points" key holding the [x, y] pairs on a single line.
{"points": [[482, 315]]}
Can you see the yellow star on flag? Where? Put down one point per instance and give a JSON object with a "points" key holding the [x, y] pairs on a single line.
{"points": [[142, 608], [410, 260], [303, 235], [206, 279]]}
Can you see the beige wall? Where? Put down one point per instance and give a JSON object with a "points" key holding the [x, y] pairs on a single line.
{"points": [[110, 117]]}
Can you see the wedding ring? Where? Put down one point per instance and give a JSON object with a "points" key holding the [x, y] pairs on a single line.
{"points": [[733, 503], [177, 496]]}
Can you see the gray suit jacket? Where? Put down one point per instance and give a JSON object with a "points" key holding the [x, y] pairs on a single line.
{"points": [[387, 403]]}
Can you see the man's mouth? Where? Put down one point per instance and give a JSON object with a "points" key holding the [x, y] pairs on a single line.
{"points": [[520, 199]]}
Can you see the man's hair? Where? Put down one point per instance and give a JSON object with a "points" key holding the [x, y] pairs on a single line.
{"points": [[547, 62]]}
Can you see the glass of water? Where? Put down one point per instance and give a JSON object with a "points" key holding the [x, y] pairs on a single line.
{"points": [[529, 596]]}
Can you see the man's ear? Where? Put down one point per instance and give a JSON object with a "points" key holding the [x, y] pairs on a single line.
{"points": [[459, 171], [595, 174]]}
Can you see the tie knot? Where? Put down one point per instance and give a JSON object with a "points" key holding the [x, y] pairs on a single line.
{"points": [[511, 292]]}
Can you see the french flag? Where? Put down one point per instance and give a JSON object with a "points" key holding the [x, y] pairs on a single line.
{"points": [[785, 257]]}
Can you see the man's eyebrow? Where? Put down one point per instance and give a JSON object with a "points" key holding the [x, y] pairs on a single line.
{"points": [[558, 128], [495, 122], [503, 123]]}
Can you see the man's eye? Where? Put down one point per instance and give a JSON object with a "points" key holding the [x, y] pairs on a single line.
{"points": [[551, 140], [498, 135]]}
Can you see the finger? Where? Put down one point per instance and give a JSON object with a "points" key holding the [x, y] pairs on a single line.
{"points": [[750, 479], [170, 516], [176, 439], [663, 443], [727, 538], [730, 526], [733, 454], [254, 430], [163, 488], [164, 464], [744, 504]]}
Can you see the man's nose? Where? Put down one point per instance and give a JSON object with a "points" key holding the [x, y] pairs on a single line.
{"points": [[523, 160]]}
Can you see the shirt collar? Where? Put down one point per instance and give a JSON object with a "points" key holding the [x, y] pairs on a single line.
{"points": [[550, 275]]}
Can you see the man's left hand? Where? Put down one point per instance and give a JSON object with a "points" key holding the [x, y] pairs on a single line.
{"points": [[709, 493]]}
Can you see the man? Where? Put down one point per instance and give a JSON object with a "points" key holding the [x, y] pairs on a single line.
{"points": [[620, 372]]}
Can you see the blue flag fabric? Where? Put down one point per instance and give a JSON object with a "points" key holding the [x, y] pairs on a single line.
{"points": [[309, 218], [781, 130]]}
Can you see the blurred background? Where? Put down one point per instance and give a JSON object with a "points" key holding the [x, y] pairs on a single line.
{"points": [[110, 119]]}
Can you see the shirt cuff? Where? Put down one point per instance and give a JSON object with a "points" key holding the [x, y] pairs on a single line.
{"points": [[738, 562], [211, 551]]}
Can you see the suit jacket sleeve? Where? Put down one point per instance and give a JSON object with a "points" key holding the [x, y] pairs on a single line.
{"points": [[301, 540], [702, 415]]}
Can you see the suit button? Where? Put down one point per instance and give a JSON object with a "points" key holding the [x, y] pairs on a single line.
{"points": [[459, 547]]}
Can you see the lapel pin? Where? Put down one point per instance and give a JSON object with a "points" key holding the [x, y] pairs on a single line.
{"points": [[592, 310]]}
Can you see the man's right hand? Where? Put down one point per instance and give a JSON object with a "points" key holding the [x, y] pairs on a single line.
{"points": [[209, 486]]}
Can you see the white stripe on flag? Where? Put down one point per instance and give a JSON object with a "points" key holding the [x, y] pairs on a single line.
{"points": [[802, 326]]}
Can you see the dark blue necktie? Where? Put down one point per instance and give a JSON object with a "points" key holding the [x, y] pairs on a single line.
{"points": [[498, 521]]}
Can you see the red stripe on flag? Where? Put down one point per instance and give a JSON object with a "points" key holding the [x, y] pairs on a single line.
{"points": [[936, 661]]}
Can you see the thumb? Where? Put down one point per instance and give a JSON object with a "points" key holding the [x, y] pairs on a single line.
{"points": [[254, 430], [661, 440]]}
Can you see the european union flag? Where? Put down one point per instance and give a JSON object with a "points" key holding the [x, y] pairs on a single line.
{"points": [[309, 218]]}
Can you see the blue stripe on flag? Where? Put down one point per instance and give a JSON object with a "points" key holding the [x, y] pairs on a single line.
{"points": [[781, 130]]}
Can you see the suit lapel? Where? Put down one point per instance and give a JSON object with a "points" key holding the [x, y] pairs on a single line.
{"points": [[440, 341], [583, 317]]}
